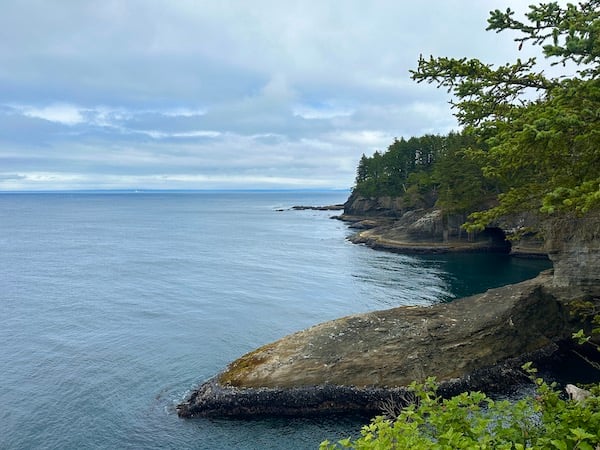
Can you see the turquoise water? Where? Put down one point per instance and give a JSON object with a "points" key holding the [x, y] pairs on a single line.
{"points": [[115, 305]]}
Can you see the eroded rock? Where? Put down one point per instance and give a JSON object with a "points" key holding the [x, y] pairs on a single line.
{"points": [[574, 247], [352, 363]]}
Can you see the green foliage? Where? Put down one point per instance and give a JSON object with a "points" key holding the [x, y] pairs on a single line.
{"points": [[588, 311], [474, 421], [389, 173], [542, 134], [426, 170], [458, 178], [572, 32]]}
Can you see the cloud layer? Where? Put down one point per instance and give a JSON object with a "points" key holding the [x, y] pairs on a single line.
{"points": [[189, 94]]}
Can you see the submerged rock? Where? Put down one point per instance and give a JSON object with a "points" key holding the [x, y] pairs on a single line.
{"points": [[356, 362]]}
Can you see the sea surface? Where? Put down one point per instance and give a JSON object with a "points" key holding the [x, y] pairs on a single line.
{"points": [[114, 305]]}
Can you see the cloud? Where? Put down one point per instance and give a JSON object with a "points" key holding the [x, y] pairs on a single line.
{"points": [[202, 94], [10, 177], [60, 113], [188, 134], [325, 111]]}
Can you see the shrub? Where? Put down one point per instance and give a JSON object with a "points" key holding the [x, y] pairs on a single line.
{"points": [[546, 420]]}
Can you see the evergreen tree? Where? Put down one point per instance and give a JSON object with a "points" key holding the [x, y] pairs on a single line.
{"points": [[544, 150]]}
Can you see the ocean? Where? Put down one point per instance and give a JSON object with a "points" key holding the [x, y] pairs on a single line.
{"points": [[114, 305]]}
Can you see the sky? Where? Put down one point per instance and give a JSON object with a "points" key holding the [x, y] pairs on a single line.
{"points": [[198, 94]]}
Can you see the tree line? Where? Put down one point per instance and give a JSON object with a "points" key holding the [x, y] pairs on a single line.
{"points": [[426, 171]]}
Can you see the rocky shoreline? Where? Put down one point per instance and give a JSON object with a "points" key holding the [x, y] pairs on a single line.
{"points": [[384, 223], [212, 399], [394, 236], [355, 363], [379, 238]]}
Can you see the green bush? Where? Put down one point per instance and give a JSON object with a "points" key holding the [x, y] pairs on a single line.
{"points": [[472, 420]]}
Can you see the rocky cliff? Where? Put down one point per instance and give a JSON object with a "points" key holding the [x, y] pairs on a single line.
{"points": [[386, 223], [573, 244]]}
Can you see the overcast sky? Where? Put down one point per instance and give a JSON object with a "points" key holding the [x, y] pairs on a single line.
{"points": [[195, 94]]}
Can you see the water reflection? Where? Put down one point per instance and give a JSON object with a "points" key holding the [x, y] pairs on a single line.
{"points": [[423, 280]]}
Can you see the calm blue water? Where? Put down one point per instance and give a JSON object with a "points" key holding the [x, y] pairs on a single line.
{"points": [[113, 306]]}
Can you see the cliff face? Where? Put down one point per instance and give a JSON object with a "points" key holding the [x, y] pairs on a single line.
{"points": [[573, 245], [357, 205], [388, 224]]}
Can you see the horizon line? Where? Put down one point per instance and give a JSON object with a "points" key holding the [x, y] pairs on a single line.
{"points": [[149, 191]]}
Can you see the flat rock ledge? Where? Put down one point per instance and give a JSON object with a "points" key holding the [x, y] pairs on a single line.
{"points": [[420, 236], [212, 399], [353, 364], [379, 241]]}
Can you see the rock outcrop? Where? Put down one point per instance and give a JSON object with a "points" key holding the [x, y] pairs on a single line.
{"points": [[354, 363], [574, 247], [386, 223], [384, 206], [418, 234]]}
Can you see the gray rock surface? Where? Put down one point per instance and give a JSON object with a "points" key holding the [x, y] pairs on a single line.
{"points": [[396, 346], [390, 225], [475, 343], [574, 247]]}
